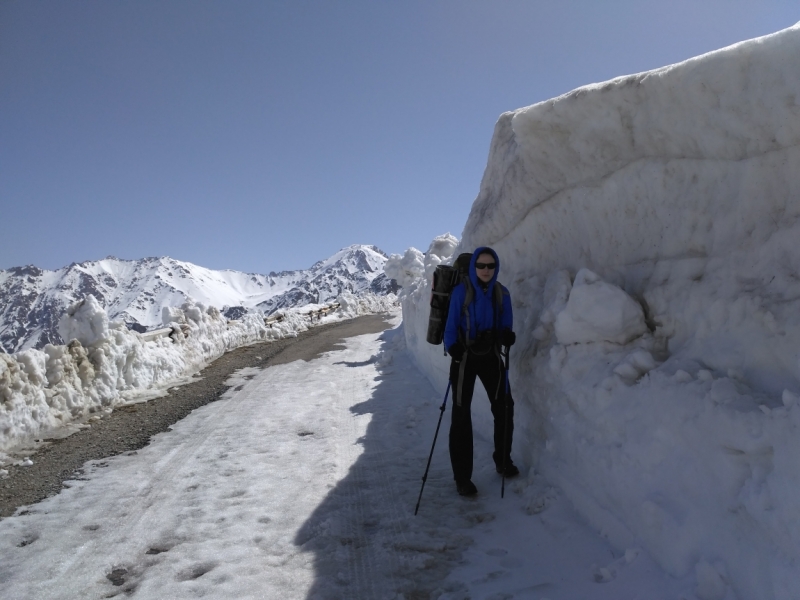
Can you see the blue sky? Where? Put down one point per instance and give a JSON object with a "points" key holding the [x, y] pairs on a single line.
{"points": [[263, 136]]}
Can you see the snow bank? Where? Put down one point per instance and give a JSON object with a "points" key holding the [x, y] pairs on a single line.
{"points": [[351, 305], [414, 271], [659, 390], [105, 364]]}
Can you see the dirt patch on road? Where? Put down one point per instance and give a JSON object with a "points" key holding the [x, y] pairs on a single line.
{"points": [[130, 427]]}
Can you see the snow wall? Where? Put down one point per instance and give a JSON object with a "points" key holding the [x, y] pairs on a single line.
{"points": [[648, 231], [106, 365]]}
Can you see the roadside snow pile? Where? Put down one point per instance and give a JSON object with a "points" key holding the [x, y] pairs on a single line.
{"points": [[353, 306], [647, 229], [105, 364], [414, 272]]}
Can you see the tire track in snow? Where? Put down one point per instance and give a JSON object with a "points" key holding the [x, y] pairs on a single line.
{"points": [[376, 561], [362, 567], [140, 511]]}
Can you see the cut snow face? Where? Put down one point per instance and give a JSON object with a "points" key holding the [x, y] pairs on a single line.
{"points": [[678, 188]]}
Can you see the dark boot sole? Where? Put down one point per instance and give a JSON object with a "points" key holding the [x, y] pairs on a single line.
{"points": [[508, 475], [467, 492]]}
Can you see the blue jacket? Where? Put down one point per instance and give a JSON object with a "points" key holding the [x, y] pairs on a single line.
{"points": [[481, 310]]}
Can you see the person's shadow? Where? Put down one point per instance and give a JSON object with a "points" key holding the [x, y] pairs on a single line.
{"points": [[366, 541]]}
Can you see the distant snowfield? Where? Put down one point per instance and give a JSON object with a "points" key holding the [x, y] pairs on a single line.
{"points": [[648, 230], [301, 483]]}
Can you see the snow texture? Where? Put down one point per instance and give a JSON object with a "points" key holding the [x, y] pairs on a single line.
{"points": [[658, 391], [105, 364]]}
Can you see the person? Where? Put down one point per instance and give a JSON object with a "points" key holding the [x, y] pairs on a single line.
{"points": [[479, 322]]}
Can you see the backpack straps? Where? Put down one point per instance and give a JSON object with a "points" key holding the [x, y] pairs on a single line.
{"points": [[469, 296], [499, 292]]}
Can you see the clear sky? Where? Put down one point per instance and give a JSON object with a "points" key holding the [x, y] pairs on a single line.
{"points": [[259, 136]]}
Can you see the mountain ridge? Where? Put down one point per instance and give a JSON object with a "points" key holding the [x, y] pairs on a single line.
{"points": [[33, 299]]}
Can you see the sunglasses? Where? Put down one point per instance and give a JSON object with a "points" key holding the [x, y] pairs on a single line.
{"points": [[485, 265]]}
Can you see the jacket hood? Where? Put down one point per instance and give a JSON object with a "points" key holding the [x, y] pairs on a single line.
{"points": [[473, 275]]}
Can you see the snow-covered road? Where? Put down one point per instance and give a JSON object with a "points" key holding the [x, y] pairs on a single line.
{"points": [[301, 483]]}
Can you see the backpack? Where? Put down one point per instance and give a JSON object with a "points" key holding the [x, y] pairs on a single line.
{"points": [[445, 278]]}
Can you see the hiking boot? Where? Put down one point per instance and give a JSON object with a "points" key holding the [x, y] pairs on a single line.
{"points": [[466, 488], [510, 471]]}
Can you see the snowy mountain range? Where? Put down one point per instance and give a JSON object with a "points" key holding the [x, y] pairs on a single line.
{"points": [[32, 299]]}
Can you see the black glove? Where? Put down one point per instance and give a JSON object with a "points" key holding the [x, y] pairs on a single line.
{"points": [[456, 351], [507, 338]]}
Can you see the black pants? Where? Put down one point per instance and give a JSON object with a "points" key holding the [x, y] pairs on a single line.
{"points": [[489, 368]]}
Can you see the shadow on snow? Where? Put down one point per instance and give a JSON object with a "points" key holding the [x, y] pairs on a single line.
{"points": [[366, 541]]}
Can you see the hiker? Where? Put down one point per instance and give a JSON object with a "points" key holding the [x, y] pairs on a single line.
{"points": [[479, 322]]}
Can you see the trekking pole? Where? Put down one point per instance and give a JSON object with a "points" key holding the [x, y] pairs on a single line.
{"points": [[425, 477], [505, 425]]}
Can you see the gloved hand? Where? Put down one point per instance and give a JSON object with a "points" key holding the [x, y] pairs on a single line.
{"points": [[456, 351], [507, 338]]}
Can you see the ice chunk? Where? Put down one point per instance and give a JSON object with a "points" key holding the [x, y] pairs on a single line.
{"points": [[172, 314], [85, 321], [405, 268], [598, 311], [635, 365]]}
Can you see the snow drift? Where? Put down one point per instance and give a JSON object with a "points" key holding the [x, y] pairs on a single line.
{"points": [[648, 231], [105, 364]]}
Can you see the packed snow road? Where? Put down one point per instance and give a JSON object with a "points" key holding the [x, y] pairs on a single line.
{"points": [[130, 427], [300, 483]]}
